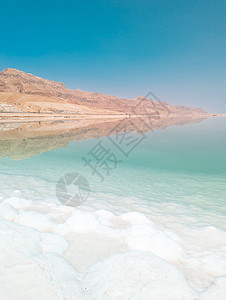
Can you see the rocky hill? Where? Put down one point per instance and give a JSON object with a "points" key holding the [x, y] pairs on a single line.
{"points": [[22, 92]]}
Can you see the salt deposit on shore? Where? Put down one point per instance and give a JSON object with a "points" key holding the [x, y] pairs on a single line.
{"points": [[51, 251]]}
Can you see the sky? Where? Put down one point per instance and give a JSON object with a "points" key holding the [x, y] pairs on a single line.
{"points": [[176, 49]]}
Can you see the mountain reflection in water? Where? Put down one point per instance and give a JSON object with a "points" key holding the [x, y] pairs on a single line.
{"points": [[22, 140]]}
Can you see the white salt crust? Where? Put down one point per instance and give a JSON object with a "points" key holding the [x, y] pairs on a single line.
{"points": [[50, 251]]}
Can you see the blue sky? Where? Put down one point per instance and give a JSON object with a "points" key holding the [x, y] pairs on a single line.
{"points": [[176, 49]]}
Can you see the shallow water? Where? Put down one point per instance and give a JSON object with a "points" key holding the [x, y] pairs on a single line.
{"points": [[163, 203]]}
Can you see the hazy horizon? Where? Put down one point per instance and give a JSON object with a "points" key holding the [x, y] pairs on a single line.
{"points": [[103, 198]]}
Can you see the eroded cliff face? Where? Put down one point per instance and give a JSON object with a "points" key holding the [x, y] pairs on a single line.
{"points": [[12, 80], [103, 115], [30, 93]]}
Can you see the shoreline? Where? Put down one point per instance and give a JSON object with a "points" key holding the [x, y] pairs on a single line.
{"points": [[27, 117]]}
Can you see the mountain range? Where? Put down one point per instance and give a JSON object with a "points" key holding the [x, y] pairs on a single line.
{"points": [[21, 92], [38, 115]]}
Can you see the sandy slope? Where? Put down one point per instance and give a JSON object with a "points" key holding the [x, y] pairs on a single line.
{"points": [[30, 93]]}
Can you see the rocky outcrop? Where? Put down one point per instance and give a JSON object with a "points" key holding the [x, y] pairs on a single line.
{"points": [[30, 93]]}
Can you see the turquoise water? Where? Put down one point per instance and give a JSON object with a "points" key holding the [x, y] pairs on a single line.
{"points": [[157, 220], [180, 164]]}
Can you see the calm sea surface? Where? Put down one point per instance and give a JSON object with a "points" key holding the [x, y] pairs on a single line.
{"points": [[179, 164]]}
